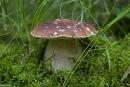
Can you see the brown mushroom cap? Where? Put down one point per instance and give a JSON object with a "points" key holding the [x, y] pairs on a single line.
{"points": [[64, 28]]}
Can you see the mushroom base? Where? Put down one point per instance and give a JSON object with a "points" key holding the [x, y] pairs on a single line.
{"points": [[63, 52]]}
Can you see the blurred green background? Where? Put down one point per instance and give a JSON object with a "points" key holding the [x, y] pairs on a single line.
{"points": [[21, 55]]}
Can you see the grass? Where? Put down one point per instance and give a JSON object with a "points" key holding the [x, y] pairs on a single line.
{"points": [[104, 62]]}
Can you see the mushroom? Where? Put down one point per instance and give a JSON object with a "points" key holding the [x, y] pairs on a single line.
{"points": [[63, 47]]}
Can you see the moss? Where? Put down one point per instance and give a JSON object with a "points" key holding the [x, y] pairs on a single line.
{"points": [[103, 66]]}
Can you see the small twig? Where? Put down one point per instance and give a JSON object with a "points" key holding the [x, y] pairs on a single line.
{"points": [[126, 74]]}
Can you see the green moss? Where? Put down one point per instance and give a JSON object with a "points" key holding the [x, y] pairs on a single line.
{"points": [[104, 65]]}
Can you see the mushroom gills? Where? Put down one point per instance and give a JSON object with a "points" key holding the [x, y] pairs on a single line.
{"points": [[63, 52]]}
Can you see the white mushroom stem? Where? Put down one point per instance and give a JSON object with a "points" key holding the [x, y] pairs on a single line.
{"points": [[63, 53]]}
